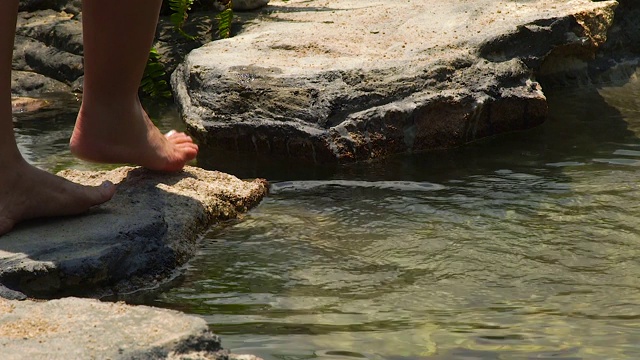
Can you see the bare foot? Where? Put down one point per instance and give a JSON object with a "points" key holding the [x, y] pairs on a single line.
{"points": [[120, 134], [27, 192]]}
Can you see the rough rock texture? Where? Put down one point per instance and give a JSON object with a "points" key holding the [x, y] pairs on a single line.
{"points": [[343, 80], [620, 55], [25, 83], [74, 328], [47, 54], [133, 241]]}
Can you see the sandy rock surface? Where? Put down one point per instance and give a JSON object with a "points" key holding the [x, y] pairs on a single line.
{"points": [[73, 328]]}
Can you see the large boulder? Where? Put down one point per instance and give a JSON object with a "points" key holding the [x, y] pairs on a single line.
{"points": [[136, 240], [336, 81]]}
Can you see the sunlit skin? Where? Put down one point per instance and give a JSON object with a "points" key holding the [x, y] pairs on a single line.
{"points": [[112, 126]]}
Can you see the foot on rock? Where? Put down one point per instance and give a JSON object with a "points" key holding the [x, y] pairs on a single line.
{"points": [[27, 192]]}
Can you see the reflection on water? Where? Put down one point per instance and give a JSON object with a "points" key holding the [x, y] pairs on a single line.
{"points": [[524, 246]]}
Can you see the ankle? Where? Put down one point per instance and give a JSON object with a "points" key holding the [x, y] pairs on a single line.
{"points": [[92, 105]]}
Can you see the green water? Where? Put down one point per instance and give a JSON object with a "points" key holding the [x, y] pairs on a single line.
{"points": [[525, 246]]}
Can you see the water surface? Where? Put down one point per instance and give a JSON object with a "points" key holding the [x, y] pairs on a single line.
{"points": [[524, 246]]}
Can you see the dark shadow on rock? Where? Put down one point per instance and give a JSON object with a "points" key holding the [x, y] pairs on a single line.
{"points": [[271, 9], [615, 62], [619, 59], [581, 125]]}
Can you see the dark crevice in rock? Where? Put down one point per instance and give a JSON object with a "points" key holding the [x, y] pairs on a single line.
{"points": [[615, 60], [532, 42]]}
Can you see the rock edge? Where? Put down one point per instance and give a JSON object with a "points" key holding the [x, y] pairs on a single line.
{"points": [[136, 240]]}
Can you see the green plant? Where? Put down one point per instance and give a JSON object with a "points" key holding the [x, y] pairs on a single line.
{"points": [[154, 83], [224, 20], [180, 14]]}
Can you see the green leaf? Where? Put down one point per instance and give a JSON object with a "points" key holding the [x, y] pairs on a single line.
{"points": [[180, 10], [153, 81], [224, 22]]}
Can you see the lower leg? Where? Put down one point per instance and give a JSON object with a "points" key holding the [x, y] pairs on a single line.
{"points": [[9, 153], [112, 127], [25, 191]]}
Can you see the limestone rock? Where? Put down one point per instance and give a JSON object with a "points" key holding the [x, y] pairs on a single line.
{"points": [[134, 241], [27, 83], [73, 328], [335, 81], [49, 44]]}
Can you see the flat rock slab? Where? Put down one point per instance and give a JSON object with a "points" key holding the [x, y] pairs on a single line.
{"points": [[73, 328], [135, 240], [343, 80]]}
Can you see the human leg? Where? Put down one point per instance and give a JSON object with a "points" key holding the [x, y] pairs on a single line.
{"points": [[25, 191], [112, 127]]}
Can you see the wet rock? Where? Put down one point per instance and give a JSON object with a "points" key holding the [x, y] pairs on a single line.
{"points": [[75, 328], [337, 81], [134, 241], [26, 104]]}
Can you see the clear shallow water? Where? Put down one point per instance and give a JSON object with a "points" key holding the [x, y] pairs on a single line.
{"points": [[525, 246]]}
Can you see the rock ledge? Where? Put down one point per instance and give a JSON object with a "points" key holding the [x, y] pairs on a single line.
{"points": [[135, 240]]}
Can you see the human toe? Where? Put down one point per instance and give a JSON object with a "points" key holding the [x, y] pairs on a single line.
{"points": [[101, 193]]}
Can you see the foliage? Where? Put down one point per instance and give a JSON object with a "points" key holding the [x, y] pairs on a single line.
{"points": [[154, 83], [180, 14], [224, 21]]}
